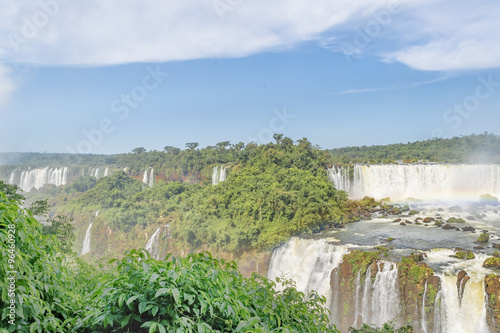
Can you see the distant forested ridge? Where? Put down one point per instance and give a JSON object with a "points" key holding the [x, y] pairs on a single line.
{"points": [[175, 162], [481, 148]]}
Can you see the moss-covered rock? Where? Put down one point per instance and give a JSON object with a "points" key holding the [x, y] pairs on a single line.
{"points": [[455, 220], [464, 254], [492, 262], [483, 238]]}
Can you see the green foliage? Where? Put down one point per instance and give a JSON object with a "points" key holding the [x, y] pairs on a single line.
{"points": [[386, 328], [196, 294], [275, 191], [361, 259], [483, 238], [456, 220], [410, 269], [45, 292], [11, 191], [81, 184], [464, 254], [39, 208], [492, 262], [482, 148], [63, 228]]}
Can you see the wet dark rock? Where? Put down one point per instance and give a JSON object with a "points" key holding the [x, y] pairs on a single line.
{"points": [[397, 220], [469, 228], [448, 227], [402, 223], [496, 246], [478, 247]]}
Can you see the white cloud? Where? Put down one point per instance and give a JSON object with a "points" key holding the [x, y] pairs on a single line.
{"points": [[426, 34], [450, 35]]}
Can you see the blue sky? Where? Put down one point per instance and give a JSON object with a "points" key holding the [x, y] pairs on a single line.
{"points": [[106, 77]]}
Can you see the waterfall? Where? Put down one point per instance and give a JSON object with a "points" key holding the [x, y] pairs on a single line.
{"points": [[215, 174], [94, 172], [423, 181], [106, 172], [366, 309], [153, 246], [38, 178], [340, 177], [145, 177], [423, 319], [218, 175], [309, 262], [464, 303], [222, 176], [12, 176], [151, 178], [86, 241], [385, 296]]}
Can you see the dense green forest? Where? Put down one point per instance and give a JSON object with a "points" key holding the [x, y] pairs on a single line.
{"points": [[482, 148], [274, 191]]}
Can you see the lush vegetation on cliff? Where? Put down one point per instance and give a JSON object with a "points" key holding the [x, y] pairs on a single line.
{"points": [[273, 192], [465, 149], [55, 292]]}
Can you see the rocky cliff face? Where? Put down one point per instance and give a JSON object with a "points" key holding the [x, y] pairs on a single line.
{"points": [[492, 285], [368, 288]]}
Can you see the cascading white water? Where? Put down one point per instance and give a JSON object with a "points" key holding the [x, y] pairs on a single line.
{"points": [[340, 177], [222, 174], [38, 178], [86, 241], [380, 301], [215, 174], [153, 246], [309, 262], [145, 177], [12, 176], [218, 175], [423, 321], [423, 181], [151, 178], [468, 313], [385, 301], [106, 172]]}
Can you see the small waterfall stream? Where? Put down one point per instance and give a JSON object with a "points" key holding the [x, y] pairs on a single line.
{"points": [[86, 241]]}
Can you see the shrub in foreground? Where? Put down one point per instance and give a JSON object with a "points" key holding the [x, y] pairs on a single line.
{"points": [[197, 294]]}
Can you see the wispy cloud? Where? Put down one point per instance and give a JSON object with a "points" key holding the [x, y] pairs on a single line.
{"points": [[394, 87]]}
